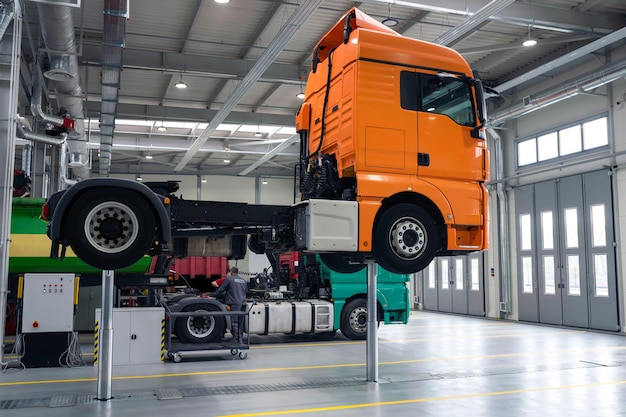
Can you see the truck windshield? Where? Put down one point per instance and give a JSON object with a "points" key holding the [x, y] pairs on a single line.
{"points": [[448, 95]]}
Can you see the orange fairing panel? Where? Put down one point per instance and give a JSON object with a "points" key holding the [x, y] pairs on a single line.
{"points": [[334, 37]]}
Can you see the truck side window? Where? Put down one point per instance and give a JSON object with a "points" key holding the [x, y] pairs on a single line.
{"points": [[408, 90], [447, 95]]}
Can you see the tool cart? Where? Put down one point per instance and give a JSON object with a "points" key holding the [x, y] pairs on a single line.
{"points": [[176, 348]]}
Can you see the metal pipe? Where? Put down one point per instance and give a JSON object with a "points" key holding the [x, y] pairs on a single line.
{"points": [[503, 228], [586, 83], [105, 335], [10, 47], [372, 323], [36, 137], [8, 10]]}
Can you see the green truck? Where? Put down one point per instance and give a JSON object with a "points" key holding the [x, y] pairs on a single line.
{"points": [[324, 301]]}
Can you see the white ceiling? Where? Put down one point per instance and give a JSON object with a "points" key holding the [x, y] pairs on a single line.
{"points": [[213, 47]]}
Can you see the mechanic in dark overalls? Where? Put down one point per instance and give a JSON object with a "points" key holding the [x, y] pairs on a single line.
{"points": [[234, 290]]}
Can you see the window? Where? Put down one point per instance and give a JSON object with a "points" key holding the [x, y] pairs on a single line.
{"points": [[438, 93], [569, 142], [563, 142], [548, 146], [445, 94]]}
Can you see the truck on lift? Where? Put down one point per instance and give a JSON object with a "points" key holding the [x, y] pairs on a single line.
{"points": [[393, 166], [337, 298]]}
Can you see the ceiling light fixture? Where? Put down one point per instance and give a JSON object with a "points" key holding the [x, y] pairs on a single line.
{"points": [[180, 83], [139, 177], [161, 127], [222, 1], [529, 41], [203, 179], [227, 161], [390, 21], [149, 156], [264, 182], [300, 95], [258, 133]]}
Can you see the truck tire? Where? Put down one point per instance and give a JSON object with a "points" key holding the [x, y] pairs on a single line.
{"points": [[339, 264], [200, 329], [405, 239], [110, 228], [353, 323]]}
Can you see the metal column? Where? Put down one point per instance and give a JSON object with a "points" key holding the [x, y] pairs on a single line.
{"points": [[105, 360], [372, 323], [10, 46]]}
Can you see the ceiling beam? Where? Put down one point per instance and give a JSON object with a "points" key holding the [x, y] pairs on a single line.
{"points": [[284, 35], [270, 154], [563, 60], [519, 13], [472, 22], [156, 112], [198, 66]]}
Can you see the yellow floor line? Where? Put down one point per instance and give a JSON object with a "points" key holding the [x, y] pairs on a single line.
{"points": [[420, 400], [306, 368]]}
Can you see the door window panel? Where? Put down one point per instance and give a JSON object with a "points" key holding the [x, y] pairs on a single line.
{"points": [[448, 95], [525, 233], [445, 280], [571, 228], [598, 226], [527, 274], [475, 275], [547, 238], [573, 275], [549, 286], [600, 275], [432, 282], [459, 274]]}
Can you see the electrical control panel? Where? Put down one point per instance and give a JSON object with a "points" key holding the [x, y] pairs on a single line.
{"points": [[48, 303]]}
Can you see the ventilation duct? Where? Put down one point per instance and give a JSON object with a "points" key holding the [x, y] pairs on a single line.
{"points": [[586, 83], [115, 15], [57, 30]]}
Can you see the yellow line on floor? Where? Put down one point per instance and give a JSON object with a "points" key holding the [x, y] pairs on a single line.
{"points": [[306, 368], [420, 400]]}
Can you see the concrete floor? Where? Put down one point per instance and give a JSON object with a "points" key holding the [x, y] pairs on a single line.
{"points": [[438, 365]]}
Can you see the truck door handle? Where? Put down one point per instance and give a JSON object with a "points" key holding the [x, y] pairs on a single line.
{"points": [[423, 159]]}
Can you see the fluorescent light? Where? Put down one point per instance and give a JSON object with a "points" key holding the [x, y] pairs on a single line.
{"points": [[161, 128], [148, 156], [300, 95], [258, 134], [203, 179], [222, 1], [264, 182], [226, 161], [139, 178]]}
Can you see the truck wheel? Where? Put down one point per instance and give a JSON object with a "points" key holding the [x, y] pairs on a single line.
{"points": [[405, 239], [200, 329], [353, 323], [338, 263], [110, 229]]}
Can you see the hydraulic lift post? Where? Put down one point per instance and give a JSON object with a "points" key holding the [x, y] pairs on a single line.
{"points": [[105, 336], [372, 322]]}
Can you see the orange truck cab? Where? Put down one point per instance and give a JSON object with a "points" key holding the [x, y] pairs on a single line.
{"points": [[396, 125]]}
